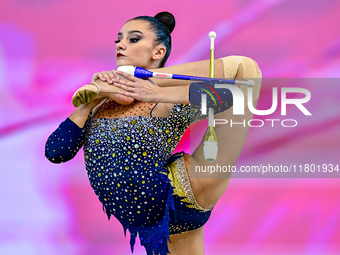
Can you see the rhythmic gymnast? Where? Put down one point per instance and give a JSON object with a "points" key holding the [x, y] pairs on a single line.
{"points": [[129, 128]]}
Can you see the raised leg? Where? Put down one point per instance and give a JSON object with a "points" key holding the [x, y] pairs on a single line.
{"points": [[231, 139], [188, 243]]}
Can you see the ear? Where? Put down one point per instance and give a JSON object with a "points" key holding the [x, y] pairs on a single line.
{"points": [[159, 52]]}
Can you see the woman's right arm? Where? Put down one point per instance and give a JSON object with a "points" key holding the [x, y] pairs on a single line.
{"points": [[65, 142]]}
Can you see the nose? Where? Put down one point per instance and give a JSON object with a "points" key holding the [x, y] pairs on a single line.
{"points": [[121, 45]]}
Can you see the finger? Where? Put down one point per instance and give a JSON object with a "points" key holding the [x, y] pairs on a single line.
{"points": [[126, 82], [94, 77], [101, 77], [127, 94], [124, 87], [112, 75], [115, 74], [106, 75], [127, 76]]}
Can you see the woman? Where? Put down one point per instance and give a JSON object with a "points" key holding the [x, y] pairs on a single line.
{"points": [[128, 145]]}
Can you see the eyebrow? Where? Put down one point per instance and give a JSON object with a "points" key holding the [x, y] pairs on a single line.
{"points": [[131, 32]]}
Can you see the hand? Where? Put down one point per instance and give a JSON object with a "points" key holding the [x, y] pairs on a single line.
{"points": [[139, 89], [108, 76]]}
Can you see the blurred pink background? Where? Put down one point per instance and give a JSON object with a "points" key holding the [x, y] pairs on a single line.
{"points": [[50, 48]]}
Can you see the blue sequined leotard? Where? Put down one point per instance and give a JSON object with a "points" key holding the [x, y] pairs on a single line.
{"points": [[129, 162]]}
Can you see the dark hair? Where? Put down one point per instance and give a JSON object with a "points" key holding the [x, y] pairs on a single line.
{"points": [[162, 24]]}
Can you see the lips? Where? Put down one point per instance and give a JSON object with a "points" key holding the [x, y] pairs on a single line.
{"points": [[120, 55]]}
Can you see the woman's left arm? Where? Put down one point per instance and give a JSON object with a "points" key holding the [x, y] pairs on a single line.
{"points": [[148, 91]]}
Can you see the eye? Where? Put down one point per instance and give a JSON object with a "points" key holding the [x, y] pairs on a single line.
{"points": [[117, 41], [134, 40]]}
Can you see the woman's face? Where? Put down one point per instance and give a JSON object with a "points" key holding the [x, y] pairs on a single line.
{"points": [[136, 46]]}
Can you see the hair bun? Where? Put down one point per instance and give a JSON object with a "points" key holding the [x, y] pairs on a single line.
{"points": [[167, 19]]}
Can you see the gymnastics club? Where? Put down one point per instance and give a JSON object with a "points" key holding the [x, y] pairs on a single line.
{"points": [[210, 147], [144, 74]]}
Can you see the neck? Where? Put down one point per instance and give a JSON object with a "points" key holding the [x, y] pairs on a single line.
{"points": [[153, 65]]}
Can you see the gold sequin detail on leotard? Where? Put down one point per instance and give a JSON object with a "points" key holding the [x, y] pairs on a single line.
{"points": [[180, 181]]}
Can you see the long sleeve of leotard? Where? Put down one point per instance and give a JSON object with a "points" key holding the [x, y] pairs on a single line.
{"points": [[65, 142]]}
